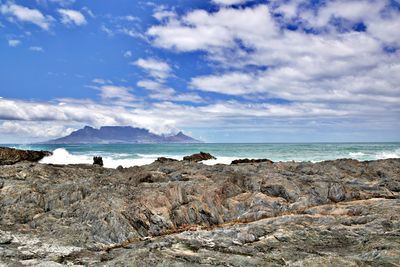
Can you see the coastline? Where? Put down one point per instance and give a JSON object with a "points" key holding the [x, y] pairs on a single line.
{"points": [[340, 212], [143, 154]]}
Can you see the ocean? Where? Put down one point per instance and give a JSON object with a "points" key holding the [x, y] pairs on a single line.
{"points": [[141, 154]]}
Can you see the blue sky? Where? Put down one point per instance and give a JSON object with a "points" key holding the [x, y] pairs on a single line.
{"points": [[221, 70]]}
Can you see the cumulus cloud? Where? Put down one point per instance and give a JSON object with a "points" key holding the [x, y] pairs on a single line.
{"points": [[201, 30], [156, 68], [14, 42], [112, 92], [330, 67], [69, 17], [26, 129], [25, 14]]}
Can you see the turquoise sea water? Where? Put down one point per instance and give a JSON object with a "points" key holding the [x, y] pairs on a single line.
{"points": [[140, 154]]}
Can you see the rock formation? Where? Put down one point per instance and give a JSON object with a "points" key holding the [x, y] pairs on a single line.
{"points": [[239, 161], [10, 156], [183, 213], [199, 157], [98, 161]]}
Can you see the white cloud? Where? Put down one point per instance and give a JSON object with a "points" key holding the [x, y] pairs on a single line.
{"points": [[69, 16], [101, 81], [165, 117], [14, 42], [120, 93], [161, 92], [187, 97], [36, 49], [59, 2], [151, 85], [34, 130], [335, 69], [348, 9], [26, 14], [200, 30], [229, 2], [156, 68], [236, 83], [164, 14]]}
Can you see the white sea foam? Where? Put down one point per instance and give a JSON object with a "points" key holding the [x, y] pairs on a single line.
{"points": [[356, 154], [62, 156], [388, 154]]}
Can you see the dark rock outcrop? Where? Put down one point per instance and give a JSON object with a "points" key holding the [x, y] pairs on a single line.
{"points": [[165, 160], [175, 213], [98, 161], [199, 157], [239, 161], [9, 156]]}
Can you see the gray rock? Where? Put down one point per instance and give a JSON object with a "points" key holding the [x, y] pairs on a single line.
{"points": [[181, 213], [199, 157], [9, 156]]}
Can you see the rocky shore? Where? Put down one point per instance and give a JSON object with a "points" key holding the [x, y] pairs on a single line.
{"points": [[185, 213]]}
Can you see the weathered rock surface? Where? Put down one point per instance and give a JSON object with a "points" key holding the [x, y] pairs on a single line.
{"points": [[182, 213], [199, 157], [9, 156], [239, 161]]}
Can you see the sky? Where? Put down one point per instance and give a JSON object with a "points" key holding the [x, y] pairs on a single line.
{"points": [[219, 70]]}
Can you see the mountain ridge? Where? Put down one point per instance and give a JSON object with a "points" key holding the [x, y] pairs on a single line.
{"points": [[120, 135]]}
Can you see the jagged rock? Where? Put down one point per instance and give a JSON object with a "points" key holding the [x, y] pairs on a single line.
{"points": [[179, 214], [199, 157], [9, 156], [239, 161], [98, 161], [165, 160], [336, 192]]}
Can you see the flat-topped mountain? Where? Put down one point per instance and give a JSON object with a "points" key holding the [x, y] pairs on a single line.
{"points": [[120, 135]]}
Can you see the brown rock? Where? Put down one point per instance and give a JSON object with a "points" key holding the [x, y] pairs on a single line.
{"points": [[199, 157], [9, 156]]}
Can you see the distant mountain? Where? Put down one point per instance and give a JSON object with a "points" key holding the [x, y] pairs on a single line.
{"points": [[120, 135]]}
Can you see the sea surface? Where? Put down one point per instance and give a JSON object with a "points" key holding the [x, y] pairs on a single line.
{"points": [[141, 154]]}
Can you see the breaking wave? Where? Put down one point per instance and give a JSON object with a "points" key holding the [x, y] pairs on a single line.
{"points": [[62, 156]]}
